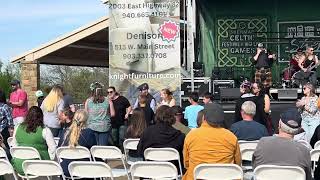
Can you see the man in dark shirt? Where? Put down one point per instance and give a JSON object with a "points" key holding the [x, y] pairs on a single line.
{"points": [[122, 109], [263, 61], [248, 129]]}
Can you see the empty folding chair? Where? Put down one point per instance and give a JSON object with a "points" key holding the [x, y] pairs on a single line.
{"points": [[317, 145], [314, 154], [163, 154], [86, 169], [130, 144], [248, 144], [10, 140], [153, 170], [218, 171], [110, 153], [3, 154], [6, 168], [25, 153], [246, 155], [40, 168], [267, 172]]}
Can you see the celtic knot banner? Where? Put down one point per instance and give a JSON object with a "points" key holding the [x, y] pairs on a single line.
{"points": [[237, 39]]}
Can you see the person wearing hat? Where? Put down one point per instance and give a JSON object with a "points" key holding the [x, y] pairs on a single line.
{"points": [[40, 97], [263, 61], [210, 143], [151, 101], [19, 102], [281, 149]]}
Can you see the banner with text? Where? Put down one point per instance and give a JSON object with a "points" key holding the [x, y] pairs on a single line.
{"points": [[144, 46], [237, 39]]}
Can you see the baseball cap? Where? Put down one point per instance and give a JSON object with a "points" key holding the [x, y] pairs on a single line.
{"points": [[299, 50], [39, 93], [15, 82], [291, 121], [246, 84], [213, 114], [143, 86], [260, 45]]}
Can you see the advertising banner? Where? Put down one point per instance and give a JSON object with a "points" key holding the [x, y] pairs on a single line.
{"points": [[144, 46]]}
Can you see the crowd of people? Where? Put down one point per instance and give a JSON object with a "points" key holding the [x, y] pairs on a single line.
{"points": [[199, 133]]}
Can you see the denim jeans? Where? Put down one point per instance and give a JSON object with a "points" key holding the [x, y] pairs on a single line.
{"points": [[102, 138], [117, 135]]}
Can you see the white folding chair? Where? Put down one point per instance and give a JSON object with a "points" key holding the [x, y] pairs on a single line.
{"points": [[267, 172], [247, 144], [163, 154], [78, 152], [6, 168], [314, 154], [40, 168], [153, 170], [56, 140], [218, 171], [317, 145], [10, 140], [110, 153], [3, 154], [130, 144], [86, 169], [26, 153], [246, 155]]}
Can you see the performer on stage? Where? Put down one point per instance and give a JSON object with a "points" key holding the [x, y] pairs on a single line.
{"points": [[296, 60], [308, 68], [263, 61]]}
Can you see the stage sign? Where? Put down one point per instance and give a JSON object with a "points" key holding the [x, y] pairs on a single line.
{"points": [[297, 34], [144, 46], [237, 39]]}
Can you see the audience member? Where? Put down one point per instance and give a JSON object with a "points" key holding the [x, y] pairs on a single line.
{"points": [[210, 143], [247, 129], [281, 149], [6, 121], [162, 134], [40, 97], [33, 133], [148, 112], [65, 122], [52, 107], [19, 102], [207, 98], [309, 110], [200, 117], [178, 113], [68, 100], [137, 124], [167, 98], [79, 135], [263, 100], [191, 112], [119, 122], [245, 90], [151, 101], [315, 137], [99, 109]]}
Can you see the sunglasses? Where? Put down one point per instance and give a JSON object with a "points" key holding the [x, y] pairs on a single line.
{"points": [[110, 92]]}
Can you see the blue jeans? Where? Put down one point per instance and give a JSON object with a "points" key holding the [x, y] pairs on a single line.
{"points": [[102, 138], [117, 135]]}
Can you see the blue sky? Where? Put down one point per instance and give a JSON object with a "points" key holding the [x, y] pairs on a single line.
{"points": [[26, 24]]}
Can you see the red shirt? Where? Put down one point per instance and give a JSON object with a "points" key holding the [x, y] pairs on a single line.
{"points": [[19, 111]]}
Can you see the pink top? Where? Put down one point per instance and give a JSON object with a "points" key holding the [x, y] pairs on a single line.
{"points": [[19, 111]]}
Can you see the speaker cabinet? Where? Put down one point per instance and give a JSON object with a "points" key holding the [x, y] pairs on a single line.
{"points": [[287, 94]]}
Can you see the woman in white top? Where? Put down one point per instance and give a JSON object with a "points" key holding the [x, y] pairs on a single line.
{"points": [[309, 110], [167, 98]]}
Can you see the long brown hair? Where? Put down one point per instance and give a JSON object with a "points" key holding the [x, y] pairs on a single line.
{"points": [[165, 115], [34, 119], [97, 92], [169, 93], [137, 124]]}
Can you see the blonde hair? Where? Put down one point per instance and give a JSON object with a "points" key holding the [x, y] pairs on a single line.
{"points": [[53, 98], [78, 123]]}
